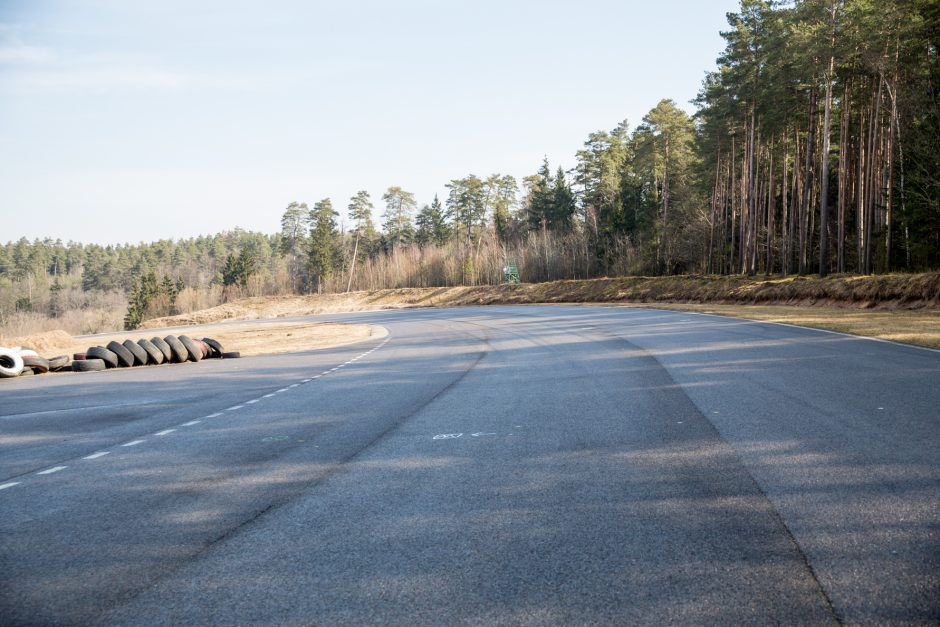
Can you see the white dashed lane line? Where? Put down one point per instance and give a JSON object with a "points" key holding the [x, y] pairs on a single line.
{"points": [[49, 471], [191, 423]]}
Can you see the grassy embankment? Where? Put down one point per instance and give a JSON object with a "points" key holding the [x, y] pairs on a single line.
{"points": [[899, 307]]}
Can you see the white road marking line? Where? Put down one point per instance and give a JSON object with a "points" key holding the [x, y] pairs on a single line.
{"points": [[97, 455], [134, 443], [234, 408], [49, 471], [268, 395], [165, 431], [292, 386], [318, 376], [9, 485], [306, 380], [190, 423], [252, 401], [281, 390], [215, 415]]}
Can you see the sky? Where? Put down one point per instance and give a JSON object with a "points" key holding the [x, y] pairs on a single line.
{"points": [[128, 121]]}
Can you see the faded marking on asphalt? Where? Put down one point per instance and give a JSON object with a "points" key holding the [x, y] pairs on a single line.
{"points": [[191, 423], [49, 471], [447, 436]]}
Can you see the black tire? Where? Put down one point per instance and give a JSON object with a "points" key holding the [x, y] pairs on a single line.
{"points": [[59, 362], [195, 353], [100, 352], [231, 355], [37, 364], [180, 354], [125, 357], [140, 355], [88, 365], [215, 348], [155, 354], [164, 348]]}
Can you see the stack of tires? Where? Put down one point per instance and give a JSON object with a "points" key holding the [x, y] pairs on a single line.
{"points": [[20, 361], [126, 354]]}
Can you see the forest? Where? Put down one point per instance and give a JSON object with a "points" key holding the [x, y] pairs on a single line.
{"points": [[814, 149]]}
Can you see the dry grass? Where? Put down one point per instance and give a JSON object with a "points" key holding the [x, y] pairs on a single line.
{"points": [[249, 338], [921, 328]]}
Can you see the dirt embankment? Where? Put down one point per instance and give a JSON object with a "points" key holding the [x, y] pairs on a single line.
{"points": [[885, 292]]}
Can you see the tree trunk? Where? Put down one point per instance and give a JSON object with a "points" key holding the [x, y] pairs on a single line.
{"points": [[843, 178], [805, 208], [824, 183]]}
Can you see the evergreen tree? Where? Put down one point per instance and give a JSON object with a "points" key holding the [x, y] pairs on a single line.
{"points": [[322, 245], [399, 207], [360, 212], [432, 226]]}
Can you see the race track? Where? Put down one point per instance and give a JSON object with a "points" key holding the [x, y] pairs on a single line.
{"points": [[493, 465]]}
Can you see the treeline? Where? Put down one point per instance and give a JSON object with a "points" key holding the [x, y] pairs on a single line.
{"points": [[815, 149], [819, 133]]}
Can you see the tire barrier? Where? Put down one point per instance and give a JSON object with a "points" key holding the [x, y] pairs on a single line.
{"points": [[100, 352], [11, 364], [195, 353], [37, 364], [180, 354], [125, 357], [140, 355], [154, 354], [20, 361], [164, 348], [88, 365]]}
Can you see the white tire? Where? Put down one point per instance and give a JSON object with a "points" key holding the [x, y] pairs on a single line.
{"points": [[11, 364]]}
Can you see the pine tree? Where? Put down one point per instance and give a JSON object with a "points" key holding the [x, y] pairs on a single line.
{"points": [[432, 226], [399, 207], [322, 244], [360, 212]]}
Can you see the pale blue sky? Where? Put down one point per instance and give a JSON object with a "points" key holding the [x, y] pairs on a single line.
{"points": [[123, 121]]}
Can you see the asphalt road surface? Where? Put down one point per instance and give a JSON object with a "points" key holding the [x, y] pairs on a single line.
{"points": [[498, 465]]}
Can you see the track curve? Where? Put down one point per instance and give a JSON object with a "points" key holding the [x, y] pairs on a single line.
{"points": [[526, 465]]}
